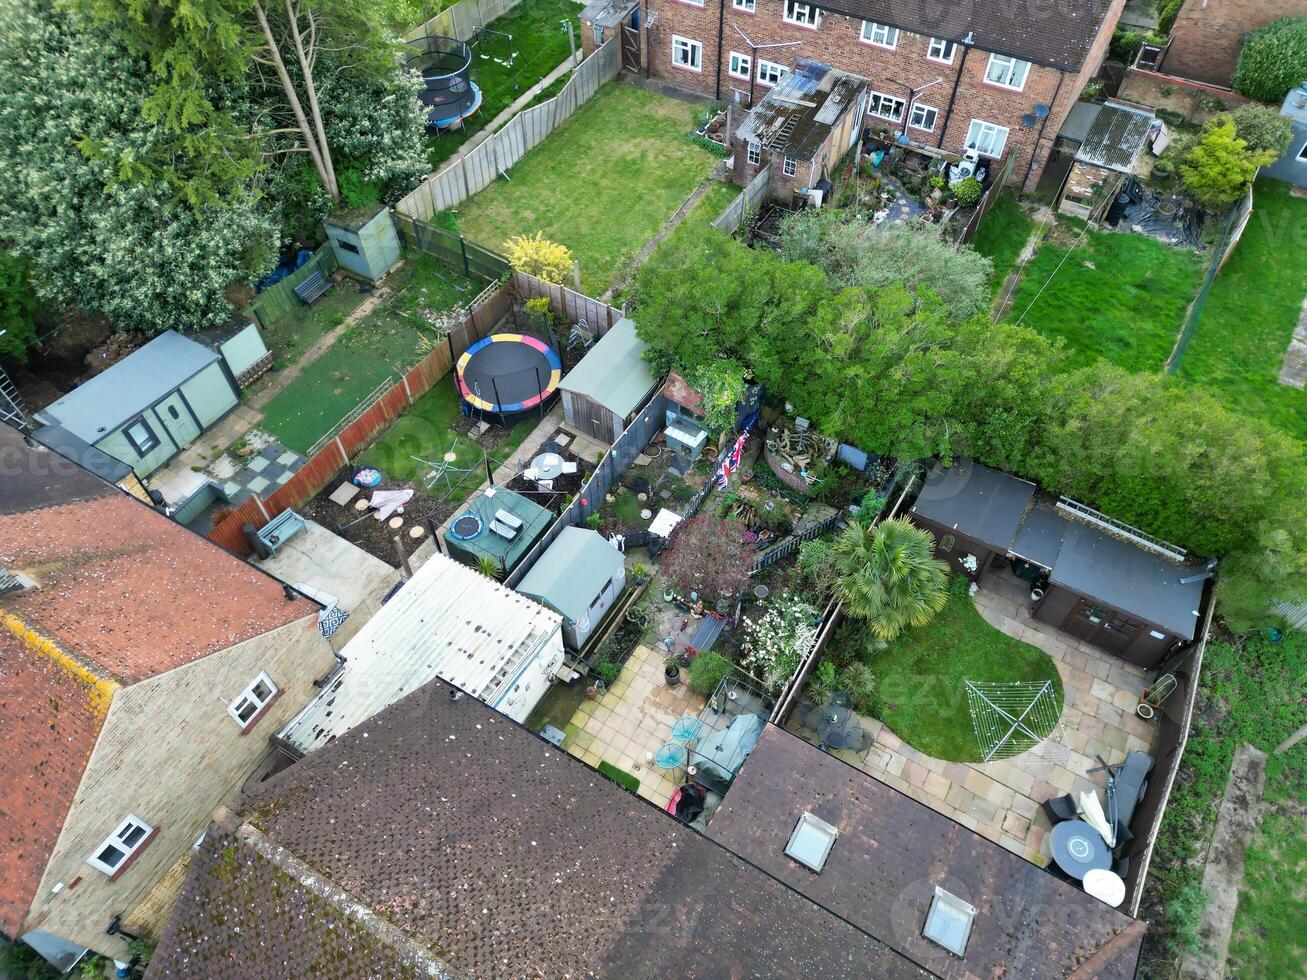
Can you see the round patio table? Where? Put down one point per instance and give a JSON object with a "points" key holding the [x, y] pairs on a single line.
{"points": [[686, 728], [1078, 848], [548, 466], [671, 755]]}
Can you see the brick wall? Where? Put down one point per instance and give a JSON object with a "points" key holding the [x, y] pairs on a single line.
{"points": [[1208, 35], [837, 41], [169, 753]]}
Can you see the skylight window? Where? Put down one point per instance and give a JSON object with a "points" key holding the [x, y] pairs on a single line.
{"points": [[948, 922], [811, 842]]}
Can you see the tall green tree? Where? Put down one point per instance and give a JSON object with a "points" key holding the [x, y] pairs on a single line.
{"points": [[1218, 168], [17, 307], [889, 576]]}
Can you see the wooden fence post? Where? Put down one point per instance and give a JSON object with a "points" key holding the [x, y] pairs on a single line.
{"points": [[343, 455], [263, 510]]}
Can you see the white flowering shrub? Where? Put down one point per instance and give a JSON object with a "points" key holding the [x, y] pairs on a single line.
{"points": [[776, 640]]}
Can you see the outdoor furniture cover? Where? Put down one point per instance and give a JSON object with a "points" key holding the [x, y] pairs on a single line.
{"points": [[726, 751]]}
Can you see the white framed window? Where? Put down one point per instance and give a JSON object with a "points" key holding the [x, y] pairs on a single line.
{"points": [[923, 117], [141, 436], [986, 138], [803, 14], [755, 153], [129, 837], [769, 72], [790, 167], [886, 107], [941, 50], [1007, 72], [881, 35], [686, 53], [748, 6], [247, 705], [740, 64], [1302, 154]]}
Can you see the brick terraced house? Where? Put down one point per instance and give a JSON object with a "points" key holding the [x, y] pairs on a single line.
{"points": [[143, 671], [999, 76]]}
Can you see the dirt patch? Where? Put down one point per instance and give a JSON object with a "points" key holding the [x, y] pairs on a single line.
{"points": [[362, 529]]}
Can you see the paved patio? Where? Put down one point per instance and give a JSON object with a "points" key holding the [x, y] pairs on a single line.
{"points": [[1001, 800], [626, 724]]}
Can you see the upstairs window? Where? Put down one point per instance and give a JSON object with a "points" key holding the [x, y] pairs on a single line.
{"points": [[803, 14], [941, 50], [881, 35], [748, 6], [886, 107], [131, 835], [1007, 72], [245, 708]]}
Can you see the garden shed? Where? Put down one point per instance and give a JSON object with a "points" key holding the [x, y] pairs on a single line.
{"points": [[242, 348], [1089, 575], [449, 622], [364, 241], [1107, 155], [604, 391], [499, 526], [580, 576], [151, 405]]}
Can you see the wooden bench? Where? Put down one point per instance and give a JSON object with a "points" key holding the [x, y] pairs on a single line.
{"points": [[312, 288], [281, 529]]}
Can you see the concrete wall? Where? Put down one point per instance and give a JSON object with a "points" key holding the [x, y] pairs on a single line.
{"points": [[837, 42], [169, 753], [1208, 35]]}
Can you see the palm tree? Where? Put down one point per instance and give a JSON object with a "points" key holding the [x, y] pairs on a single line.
{"points": [[888, 576]]}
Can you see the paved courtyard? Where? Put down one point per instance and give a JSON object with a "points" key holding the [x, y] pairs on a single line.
{"points": [[626, 724], [1001, 800]]}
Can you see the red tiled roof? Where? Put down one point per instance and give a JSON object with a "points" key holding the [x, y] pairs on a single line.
{"points": [[125, 588], [678, 390], [50, 716]]}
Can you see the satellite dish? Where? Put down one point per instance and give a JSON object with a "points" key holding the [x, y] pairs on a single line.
{"points": [[1028, 120], [1042, 111]]}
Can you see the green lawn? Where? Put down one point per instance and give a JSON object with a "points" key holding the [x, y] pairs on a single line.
{"points": [[1251, 313], [920, 677], [382, 346], [1117, 295], [539, 46], [288, 338], [425, 431], [603, 183], [1269, 939], [1001, 236]]}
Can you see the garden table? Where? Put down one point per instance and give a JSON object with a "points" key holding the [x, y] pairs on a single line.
{"points": [[1078, 848], [547, 466]]}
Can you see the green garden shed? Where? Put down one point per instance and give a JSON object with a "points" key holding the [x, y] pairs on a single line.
{"points": [[364, 241], [580, 576], [151, 405]]}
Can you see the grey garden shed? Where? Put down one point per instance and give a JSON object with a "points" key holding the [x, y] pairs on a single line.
{"points": [[364, 241], [604, 391], [151, 405], [580, 576]]}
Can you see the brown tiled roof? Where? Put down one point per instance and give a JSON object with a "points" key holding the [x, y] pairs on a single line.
{"points": [[51, 711], [679, 391], [1043, 31], [489, 850], [121, 586], [891, 853]]}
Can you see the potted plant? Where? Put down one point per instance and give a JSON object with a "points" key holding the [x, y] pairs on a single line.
{"points": [[672, 671], [937, 185]]}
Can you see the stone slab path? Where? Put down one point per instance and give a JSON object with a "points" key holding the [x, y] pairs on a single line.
{"points": [[1294, 370], [1223, 875]]}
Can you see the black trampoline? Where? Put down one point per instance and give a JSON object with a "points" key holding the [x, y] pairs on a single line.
{"points": [[445, 64], [506, 374]]}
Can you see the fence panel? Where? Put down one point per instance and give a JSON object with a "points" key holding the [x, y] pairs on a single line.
{"points": [[968, 231], [568, 303], [278, 300], [452, 250], [754, 193], [464, 19], [476, 170]]}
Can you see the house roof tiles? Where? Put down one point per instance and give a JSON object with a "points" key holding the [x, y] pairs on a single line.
{"points": [[452, 829]]}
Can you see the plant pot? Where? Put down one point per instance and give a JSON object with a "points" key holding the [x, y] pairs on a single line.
{"points": [[591, 692], [1145, 711], [672, 674], [683, 659]]}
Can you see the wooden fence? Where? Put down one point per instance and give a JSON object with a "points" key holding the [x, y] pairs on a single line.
{"points": [[791, 543], [462, 20], [572, 306], [481, 165], [349, 439], [749, 199], [996, 184], [277, 300]]}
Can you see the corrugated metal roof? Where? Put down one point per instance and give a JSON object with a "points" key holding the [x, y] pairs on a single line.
{"points": [[614, 372], [797, 114], [1079, 120], [1116, 137], [93, 410], [448, 621], [608, 13], [572, 571]]}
